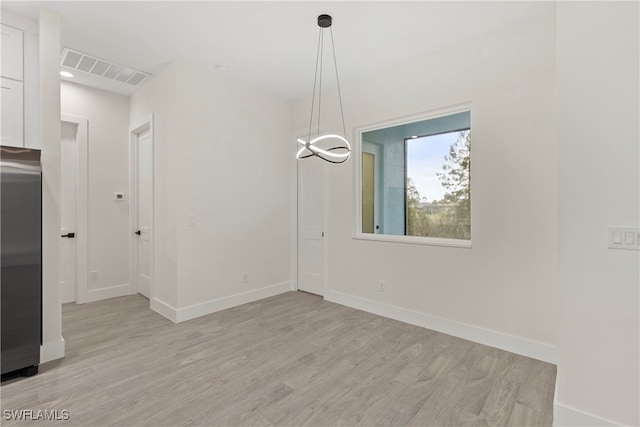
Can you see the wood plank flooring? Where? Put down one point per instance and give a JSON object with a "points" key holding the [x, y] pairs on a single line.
{"points": [[289, 360]]}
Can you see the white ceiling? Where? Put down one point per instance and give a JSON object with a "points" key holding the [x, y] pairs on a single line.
{"points": [[272, 45]]}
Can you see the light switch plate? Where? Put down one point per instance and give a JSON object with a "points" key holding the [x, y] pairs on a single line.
{"points": [[624, 237]]}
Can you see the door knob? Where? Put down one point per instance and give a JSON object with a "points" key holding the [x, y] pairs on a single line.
{"points": [[69, 235], [138, 232]]}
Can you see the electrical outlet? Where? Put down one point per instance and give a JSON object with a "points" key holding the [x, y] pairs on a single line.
{"points": [[245, 277], [94, 276], [381, 286]]}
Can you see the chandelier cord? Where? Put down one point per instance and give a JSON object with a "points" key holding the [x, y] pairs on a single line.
{"points": [[335, 63], [315, 80], [320, 78]]}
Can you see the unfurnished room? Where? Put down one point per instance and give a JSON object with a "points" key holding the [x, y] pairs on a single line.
{"points": [[320, 213]]}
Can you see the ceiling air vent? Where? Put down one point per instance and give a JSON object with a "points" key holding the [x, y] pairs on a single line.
{"points": [[100, 67]]}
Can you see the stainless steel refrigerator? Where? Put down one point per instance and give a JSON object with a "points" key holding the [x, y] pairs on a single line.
{"points": [[21, 260]]}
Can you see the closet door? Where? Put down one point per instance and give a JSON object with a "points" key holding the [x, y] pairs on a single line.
{"points": [[12, 113]]}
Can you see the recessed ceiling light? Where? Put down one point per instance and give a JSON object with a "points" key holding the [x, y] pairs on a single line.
{"points": [[221, 68], [66, 74]]}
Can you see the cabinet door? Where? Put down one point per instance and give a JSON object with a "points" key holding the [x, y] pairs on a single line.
{"points": [[12, 44], [12, 130]]}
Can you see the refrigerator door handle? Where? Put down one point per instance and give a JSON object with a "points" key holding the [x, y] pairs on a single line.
{"points": [[69, 235]]}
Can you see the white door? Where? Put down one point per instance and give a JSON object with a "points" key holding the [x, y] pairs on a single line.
{"points": [[69, 170], [144, 200], [311, 226]]}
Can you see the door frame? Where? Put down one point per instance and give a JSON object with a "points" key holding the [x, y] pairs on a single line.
{"points": [[302, 133], [134, 133], [374, 149], [82, 211]]}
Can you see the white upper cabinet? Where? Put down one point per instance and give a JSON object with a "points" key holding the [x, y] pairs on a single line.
{"points": [[12, 130], [12, 53]]}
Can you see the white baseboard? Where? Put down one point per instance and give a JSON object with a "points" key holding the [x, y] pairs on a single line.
{"points": [[526, 347], [212, 306], [108, 292], [164, 309], [208, 307], [568, 416], [52, 350]]}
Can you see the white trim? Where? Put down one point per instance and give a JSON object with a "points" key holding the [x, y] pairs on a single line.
{"points": [[82, 206], [213, 306], [107, 292], [134, 132], [164, 309], [325, 228], [294, 214], [52, 350], [566, 416], [526, 347], [425, 115], [414, 240]]}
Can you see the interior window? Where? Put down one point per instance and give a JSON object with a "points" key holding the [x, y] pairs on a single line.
{"points": [[416, 178]]}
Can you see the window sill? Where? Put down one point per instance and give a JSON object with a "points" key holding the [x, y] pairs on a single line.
{"points": [[414, 240]]}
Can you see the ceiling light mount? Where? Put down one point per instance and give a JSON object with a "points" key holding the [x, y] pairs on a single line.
{"points": [[312, 147], [324, 21]]}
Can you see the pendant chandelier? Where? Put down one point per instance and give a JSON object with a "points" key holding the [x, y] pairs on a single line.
{"points": [[318, 146]]}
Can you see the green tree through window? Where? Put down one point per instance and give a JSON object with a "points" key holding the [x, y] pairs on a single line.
{"points": [[449, 217]]}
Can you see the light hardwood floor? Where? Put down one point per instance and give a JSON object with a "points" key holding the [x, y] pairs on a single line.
{"points": [[289, 360]]}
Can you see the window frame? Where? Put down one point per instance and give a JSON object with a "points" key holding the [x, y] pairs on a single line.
{"points": [[357, 233]]}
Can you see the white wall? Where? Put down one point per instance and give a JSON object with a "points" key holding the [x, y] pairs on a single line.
{"points": [[598, 185], [234, 165], [222, 154], [49, 68], [502, 291], [108, 172]]}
